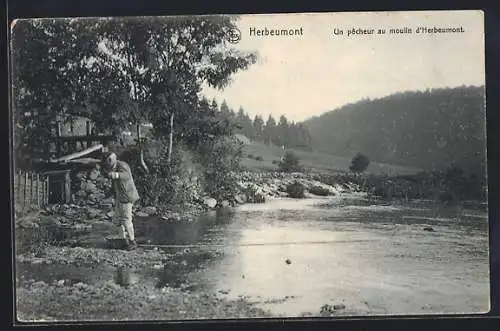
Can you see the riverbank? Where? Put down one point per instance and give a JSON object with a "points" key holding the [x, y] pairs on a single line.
{"points": [[72, 235], [69, 237], [59, 301], [64, 223]]}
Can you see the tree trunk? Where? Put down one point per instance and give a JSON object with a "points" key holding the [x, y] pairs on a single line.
{"points": [[141, 152], [58, 139], [171, 137]]}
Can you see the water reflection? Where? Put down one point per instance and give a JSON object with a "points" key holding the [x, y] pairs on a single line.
{"points": [[376, 253], [384, 257], [184, 232]]}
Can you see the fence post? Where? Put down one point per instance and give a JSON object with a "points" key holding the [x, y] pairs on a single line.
{"points": [[28, 189], [44, 184], [47, 190], [25, 188], [32, 191], [42, 191], [18, 192], [37, 190]]}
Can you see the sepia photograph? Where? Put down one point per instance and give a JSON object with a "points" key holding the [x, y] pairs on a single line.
{"points": [[307, 165]]}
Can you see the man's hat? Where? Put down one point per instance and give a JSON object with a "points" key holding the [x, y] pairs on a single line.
{"points": [[106, 155], [109, 158]]}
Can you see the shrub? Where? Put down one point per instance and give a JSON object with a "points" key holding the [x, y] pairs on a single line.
{"points": [[250, 156], [165, 184], [296, 190], [259, 158], [290, 163], [318, 190], [221, 161], [359, 163], [275, 162], [254, 194], [208, 168]]}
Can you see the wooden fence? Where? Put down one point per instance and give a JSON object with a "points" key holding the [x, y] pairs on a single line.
{"points": [[31, 190]]}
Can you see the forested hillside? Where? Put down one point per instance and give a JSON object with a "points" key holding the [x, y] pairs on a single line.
{"points": [[432, 129]]}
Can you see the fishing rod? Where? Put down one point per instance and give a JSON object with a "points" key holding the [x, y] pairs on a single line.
{"points": [[254, 244]]}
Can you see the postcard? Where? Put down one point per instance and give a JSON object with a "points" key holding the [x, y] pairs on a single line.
{"points": [[314, 165]]}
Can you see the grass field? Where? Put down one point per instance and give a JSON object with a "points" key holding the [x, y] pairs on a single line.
{"points": [[315, 161]]}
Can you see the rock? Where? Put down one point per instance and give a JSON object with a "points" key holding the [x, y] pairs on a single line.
{"points": [[288, 261], [319, 190], [80, 285], [60, 282], [100, 180], [105, 205], [80, 175], [39, 283], [149, 210], [89, 187], [330, 309], [224, 204], [429, 229], [81, 194], [93, 174], [240, 198], [110, 214], [171, 216], [82, 227], [210, 202], [141, 214]]}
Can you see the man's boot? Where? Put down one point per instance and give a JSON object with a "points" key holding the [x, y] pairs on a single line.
{"points": [[131, 245]]}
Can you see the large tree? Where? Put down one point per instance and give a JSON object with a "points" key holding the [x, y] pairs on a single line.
{"points": [[270, 130], [51, 72], [118, 71], [258, 127], [167, 61], [283, 138]]}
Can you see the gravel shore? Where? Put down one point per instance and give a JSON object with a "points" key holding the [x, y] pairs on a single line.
{"points": [[39, 301]]}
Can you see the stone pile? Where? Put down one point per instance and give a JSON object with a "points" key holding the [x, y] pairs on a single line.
{"points": [[90, 186], [258, 187]]}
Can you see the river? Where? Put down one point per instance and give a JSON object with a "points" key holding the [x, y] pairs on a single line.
{"points": [[293, 256]]}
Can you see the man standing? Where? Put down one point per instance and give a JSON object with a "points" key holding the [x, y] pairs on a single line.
{"points": [[125, 194]]}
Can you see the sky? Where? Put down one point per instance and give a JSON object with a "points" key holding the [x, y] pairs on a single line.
{"points": [[305, 76]]}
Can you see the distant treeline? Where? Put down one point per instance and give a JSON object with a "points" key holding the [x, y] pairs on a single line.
{"points": [[281, 132], [433, 129]]}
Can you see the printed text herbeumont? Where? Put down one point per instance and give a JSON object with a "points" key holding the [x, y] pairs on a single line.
{"points": [[264, 32]]}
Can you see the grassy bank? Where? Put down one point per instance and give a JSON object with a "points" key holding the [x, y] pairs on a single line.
{"points": [[261, 157]]}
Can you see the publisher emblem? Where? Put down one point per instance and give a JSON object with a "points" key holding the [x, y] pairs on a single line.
{"points": [[234, 36]]}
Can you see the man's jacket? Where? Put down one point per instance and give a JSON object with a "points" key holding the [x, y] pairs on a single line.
{"points": [[124, 186]]}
